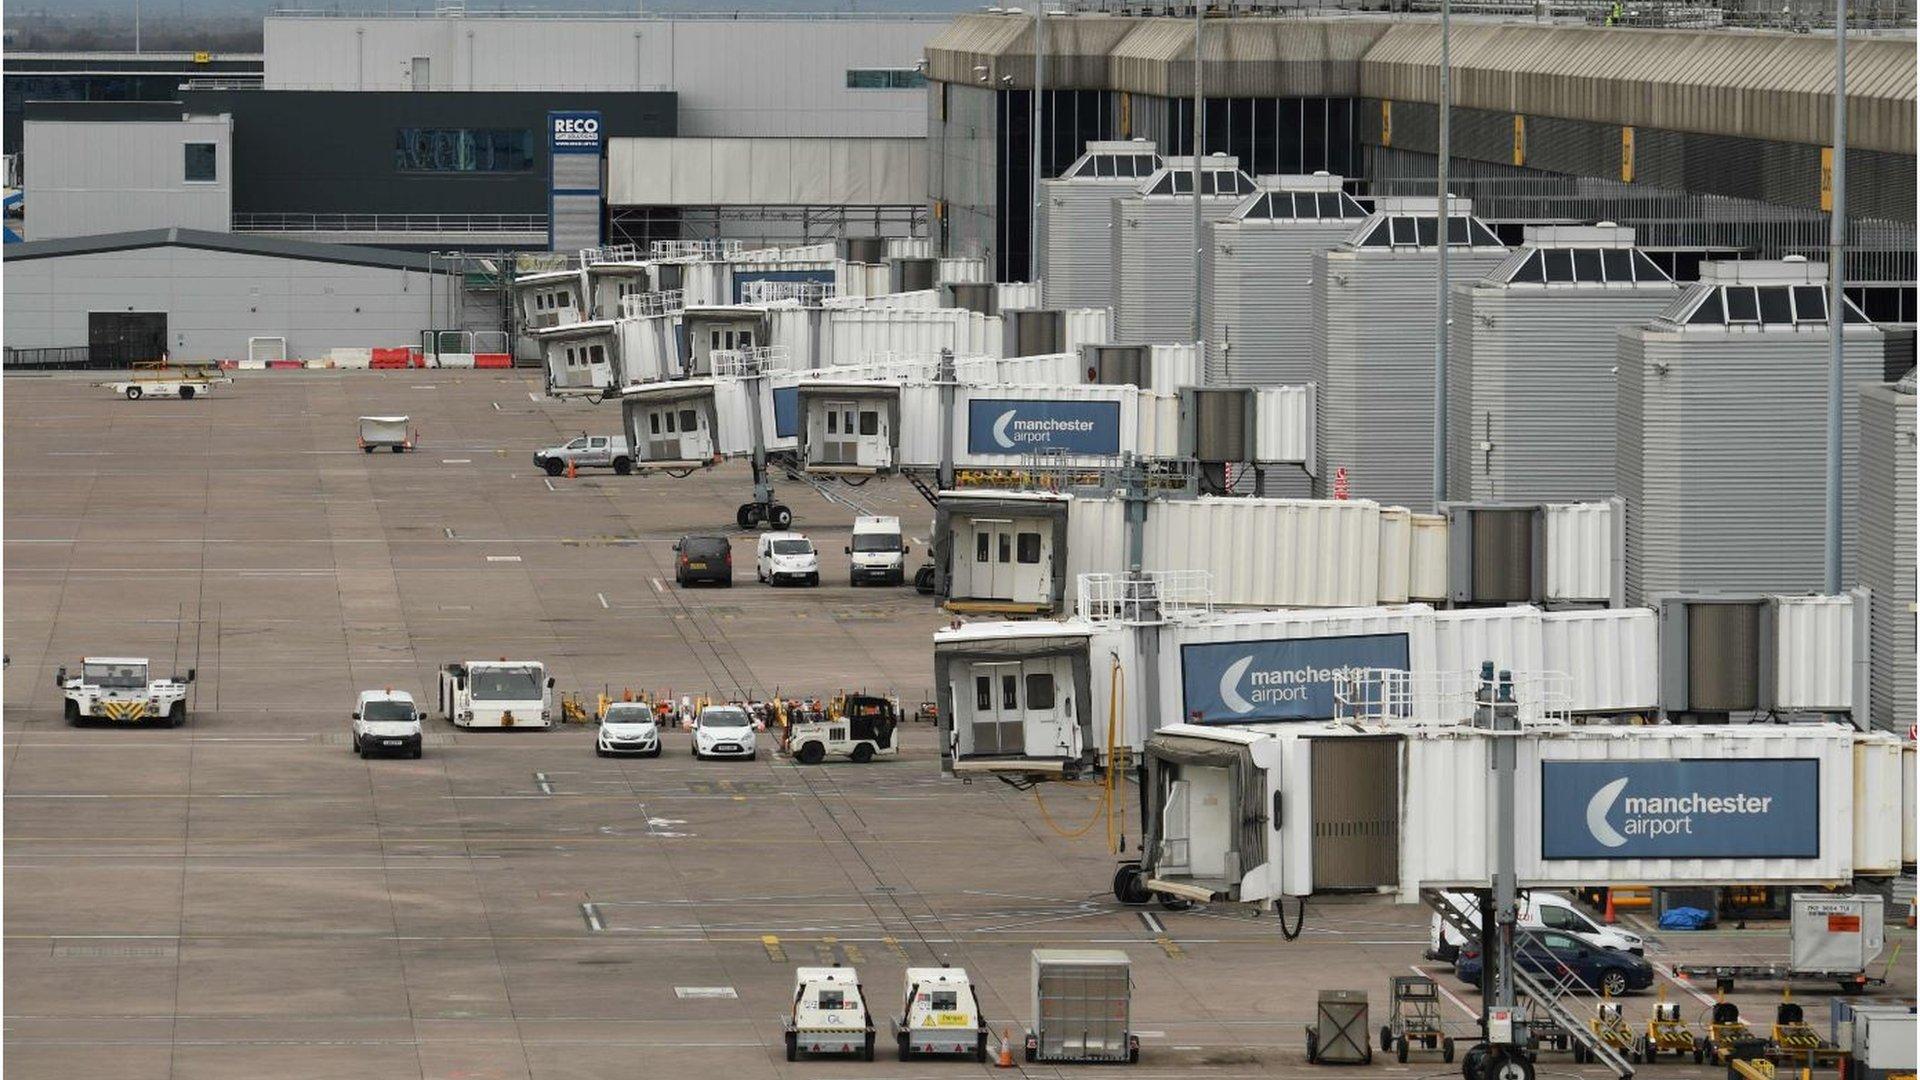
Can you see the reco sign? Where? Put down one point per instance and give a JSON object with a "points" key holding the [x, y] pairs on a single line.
{"points": [[1018, 426], [574, 130], [1690, 809], [1235, 682]]}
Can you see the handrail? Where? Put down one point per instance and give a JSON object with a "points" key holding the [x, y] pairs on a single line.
{"points": [[345, 222]]}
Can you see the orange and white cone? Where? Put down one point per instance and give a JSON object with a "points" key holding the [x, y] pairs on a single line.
{"points": [[1006, 1050], [573, 470]]}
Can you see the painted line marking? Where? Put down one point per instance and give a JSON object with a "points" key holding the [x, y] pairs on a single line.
{"points": [[545, 785], [592, 914], [1682, 983], [456, 461], [1168, 946], [893, 945], [425, 386], [1444, 992], [533, 397], [449, 531], [659, 586], [603, 600], [503, 558], [496, 406], [549, 483], [1154, 925], [771, 943]]}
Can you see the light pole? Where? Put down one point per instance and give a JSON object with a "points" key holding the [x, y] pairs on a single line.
{"points": [[1446, 223], [1836, 296], [1199, 140], [1039, 77]]}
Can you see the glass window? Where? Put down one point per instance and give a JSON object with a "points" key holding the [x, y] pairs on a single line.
{"points": [[1102, 166], [1381, 235], [1530, 270], [1645, 269], [983, 693], [1586, 265], [1457, 231], [1040, 691], [462, 150], [1162, 186], [1776, 306], [869, 422], [1742, 305], [1009, 691], [688, 421], [885, 79], [653, 423], [1619, 264], [1558, 264], [982, 547], [1182, 183], [1006, 548], [598, 354], [1327, 204], [1809, 303], [1483, 236], [833, 421], [1428, 231], [670, 428], [1029, 548], [200, 163], [1709, 312], [1403, 232]]}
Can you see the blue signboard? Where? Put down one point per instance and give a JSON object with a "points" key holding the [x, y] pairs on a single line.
{"points": [[1022, 426], [742, 277], [573, 132], [1239, 682], [786, 411], [1691, 809]]}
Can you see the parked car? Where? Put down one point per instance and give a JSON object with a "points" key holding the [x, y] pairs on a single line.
{"points": [[386, 721], [1548, 953], [628, 727], [1538, 911], [724, 731], [703, 558], [786, 556], [587, 451]]}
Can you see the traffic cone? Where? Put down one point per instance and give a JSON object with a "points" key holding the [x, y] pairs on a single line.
{"points": [[1006, 1049], [1608, 916], [573, 470]]}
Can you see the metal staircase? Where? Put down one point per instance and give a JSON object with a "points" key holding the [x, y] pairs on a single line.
{"points": [[1553, 999], [830, 490]]}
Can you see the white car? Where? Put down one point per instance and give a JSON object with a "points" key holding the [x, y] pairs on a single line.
{"points": [[786, 556], [724, 731], [628, 727], [386, 721], [1538, 911]]}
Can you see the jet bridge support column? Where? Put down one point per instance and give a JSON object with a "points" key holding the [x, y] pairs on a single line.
{"points": [[942, 546], [762, 508], [1505, 1054]]}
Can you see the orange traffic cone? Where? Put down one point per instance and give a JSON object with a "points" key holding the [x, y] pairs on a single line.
{"points": [[573, 470], [1608, 916], [1006, 1050]]}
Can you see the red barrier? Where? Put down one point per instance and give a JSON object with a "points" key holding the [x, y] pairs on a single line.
{"points": [[392, 358], [286, 363], [492, 360]]}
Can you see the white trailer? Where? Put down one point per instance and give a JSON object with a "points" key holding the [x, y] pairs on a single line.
{"points": [[497, 693], [122, 689], [391, 432]]}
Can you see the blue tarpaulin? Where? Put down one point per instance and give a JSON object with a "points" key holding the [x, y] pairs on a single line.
{"points": [[1686, 918]]}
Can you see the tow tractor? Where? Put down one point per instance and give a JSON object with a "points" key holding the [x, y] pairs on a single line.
{"points": [[857, 726], [829, 1014], [502, 693], [941, 1015], [120, 688]]}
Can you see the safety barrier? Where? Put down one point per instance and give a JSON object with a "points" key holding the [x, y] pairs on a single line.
{"points": [[492, 360]]}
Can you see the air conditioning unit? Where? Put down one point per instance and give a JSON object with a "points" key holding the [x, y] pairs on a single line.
{"points": [[864, 249], [1496, 554], [1118, 365], [1034, 332], [1716, 656], [914, 273], [979, 296]]}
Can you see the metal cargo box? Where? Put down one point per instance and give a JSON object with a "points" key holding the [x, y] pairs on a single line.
{"points": [[1339, 1032], [1082, 1006], [1836, 933]]}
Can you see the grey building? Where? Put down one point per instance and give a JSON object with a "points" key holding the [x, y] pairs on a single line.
{"points": [[1153, 241], [1076, 220], [1530, 376], [1375, 304], [1256, 306], [196, 295], [1721, 443], [1883, 503], [100, 167]]}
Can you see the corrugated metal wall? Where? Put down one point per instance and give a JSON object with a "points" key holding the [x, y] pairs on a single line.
{"points": [[1153, 265], [1076, 239], [1883, 503], [93, 177], [1257, 308]]}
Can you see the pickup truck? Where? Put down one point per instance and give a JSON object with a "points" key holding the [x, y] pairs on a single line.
{"points": [[587, 451]]}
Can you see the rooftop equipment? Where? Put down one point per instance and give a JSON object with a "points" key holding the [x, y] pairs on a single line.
{"points": [[1076, 220], [1153, 245]]}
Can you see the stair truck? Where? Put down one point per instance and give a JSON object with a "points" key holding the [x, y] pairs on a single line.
{"points": [[120, 688], [497, 693]]}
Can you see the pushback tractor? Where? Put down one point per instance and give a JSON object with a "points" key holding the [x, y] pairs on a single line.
{"points": [[497, 693], [120, 689], [858, 727]]}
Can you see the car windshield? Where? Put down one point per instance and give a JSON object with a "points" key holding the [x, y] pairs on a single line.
{"points": [[629, 714], [116, 676], [388, 710], [876, 541], [505, 684], [703, 546], [723, 718], [793, 547]]}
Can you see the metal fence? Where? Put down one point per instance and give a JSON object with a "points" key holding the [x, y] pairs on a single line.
{"points": [[62, 357]]}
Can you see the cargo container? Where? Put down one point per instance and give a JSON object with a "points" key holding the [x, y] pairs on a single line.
{"points": [[1075, 213], [1082, 1007], [1883, 503], [1731, 497], [1530, 383], [1153, 243], [1372, 345], [1256, 306]]}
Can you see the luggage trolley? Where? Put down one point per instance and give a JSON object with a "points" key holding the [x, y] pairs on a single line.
{"points": [[1610, 1027], [1668, 1034], [1414, 1019], [1725, 1030]]}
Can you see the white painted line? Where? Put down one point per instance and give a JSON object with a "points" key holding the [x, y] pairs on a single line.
{"points": [[449, 531], [545, 785], [659, 586], [603, 600], [1448, 994], [496, 405], [535, 398], [592, 913], [1681, 983], [503, 558], [549, 483], [426, 386], [1151, 1034], [685, 992], [1153, 923], [456, 461]]}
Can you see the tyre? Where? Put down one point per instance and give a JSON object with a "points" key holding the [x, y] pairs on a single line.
{"points": [[923, 581], [177, 715], [746, 515], [779, 516], [1446, 1051], [186, 393], [793, 1047], [1699, 1056], [1511, 1065], [866, 1052], [655, 752], [863, 753], [1129, 885], [811, 753], [552, 467], [980, 1048], [72, 712], [1613, 983], [1313, 1047], [353, 742], [599, 751], [1400, 1051], [623, 466], [133, 393], [755, 756], [361, 752], [813, 579], [368, 449], [1386, 1037], [417, 751], [397, 449], [902, 1040], [1473, 1062]]}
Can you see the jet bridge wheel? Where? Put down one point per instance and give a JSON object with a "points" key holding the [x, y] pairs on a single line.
{"points": [[747, 516], [1130, 885]]}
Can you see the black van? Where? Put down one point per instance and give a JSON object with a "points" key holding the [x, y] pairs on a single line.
{"points": [[703, 558]]}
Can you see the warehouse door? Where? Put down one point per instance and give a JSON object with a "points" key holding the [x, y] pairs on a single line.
{"points": [[119, 338]]}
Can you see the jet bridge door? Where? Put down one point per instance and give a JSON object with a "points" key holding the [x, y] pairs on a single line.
{"points": [[838, 422], [873, 444], [1010, 559], [677, 432], [1021, 708], [1356, 812]]}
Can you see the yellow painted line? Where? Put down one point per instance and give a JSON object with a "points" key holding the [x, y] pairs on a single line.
{"points": [[854, 955], [1168, 946], [893, 943], [771, 942]]}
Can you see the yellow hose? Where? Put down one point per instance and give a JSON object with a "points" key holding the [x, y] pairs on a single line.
{"points": [[1106, 808]]}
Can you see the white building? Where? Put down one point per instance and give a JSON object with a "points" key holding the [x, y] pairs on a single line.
{"points": [[139, 165]]}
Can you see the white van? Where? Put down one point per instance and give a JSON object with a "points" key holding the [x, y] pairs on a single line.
{"points": [[786, 556], [876, 552], [1538, 911]]}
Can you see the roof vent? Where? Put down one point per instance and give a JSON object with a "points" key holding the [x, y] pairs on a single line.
{"points": [[1795, 259], [1609, 224]]}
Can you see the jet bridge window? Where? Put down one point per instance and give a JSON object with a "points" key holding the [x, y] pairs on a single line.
{"points": [[1029, 548], [983, 692], [1040, 690], [689, 421], [869, 422]]}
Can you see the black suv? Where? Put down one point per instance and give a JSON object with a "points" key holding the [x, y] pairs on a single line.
{"points": [[703, 558]]}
